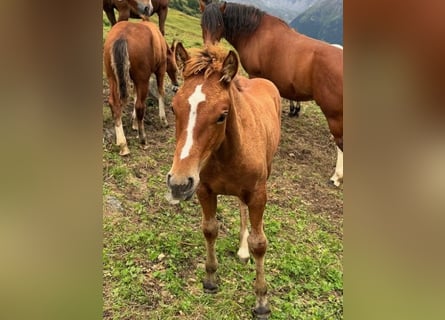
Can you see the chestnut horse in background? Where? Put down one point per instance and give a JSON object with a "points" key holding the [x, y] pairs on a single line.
{"points": [[133, 51], [227, 132], [126, 10], [301, 67]]}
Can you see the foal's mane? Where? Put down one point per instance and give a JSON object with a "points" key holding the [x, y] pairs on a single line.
{"points": [[237, 19], [206, 61]]}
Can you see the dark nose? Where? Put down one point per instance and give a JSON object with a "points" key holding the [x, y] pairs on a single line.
{"points": [[147, 11], [179, 190]]}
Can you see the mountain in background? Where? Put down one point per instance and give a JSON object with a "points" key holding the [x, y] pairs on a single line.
{"points": [[323, 21], [287, 10]]}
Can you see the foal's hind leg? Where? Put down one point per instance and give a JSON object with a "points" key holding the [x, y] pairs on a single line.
{"points": [[139, 106], [134, 122], [243, 252], [210, 229], [160, 83], [116, 109]]}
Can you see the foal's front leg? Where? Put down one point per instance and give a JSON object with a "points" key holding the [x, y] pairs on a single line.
{"points": [[139, 107], [257, 245], [210, 229]]}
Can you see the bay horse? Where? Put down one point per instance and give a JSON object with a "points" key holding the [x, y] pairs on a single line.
{"points": [[301, 67], [126, 9], [227, 132], [133, 51]]}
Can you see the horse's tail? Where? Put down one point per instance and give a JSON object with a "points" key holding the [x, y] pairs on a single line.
{"points": [[121, 67]]}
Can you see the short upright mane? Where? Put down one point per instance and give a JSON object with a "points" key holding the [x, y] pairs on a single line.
{"points": [[237, 18], [207, 61]]}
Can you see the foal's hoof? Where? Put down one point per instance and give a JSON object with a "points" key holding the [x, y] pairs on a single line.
{"points": [[210, 287], [261, 313], [124, 151], [244, 260], [334, 183]]}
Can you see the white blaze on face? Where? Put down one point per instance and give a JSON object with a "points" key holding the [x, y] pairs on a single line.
{"points": [[194, 100]]}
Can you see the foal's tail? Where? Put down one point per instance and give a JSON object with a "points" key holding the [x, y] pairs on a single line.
{"points": [[121, 67]]}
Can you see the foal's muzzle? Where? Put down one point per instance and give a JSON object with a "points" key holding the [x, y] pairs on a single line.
{"points": [[181, 189]]}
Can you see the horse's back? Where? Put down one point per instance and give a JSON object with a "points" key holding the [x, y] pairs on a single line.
{"points": [[264, 103], [142, 33], [262, 94], [147, 48]]}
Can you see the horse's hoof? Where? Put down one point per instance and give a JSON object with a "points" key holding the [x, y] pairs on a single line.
{"points": [[261, 313], [334, 183], [124, 151], [244, 260], [293, 114], [210, 287]]}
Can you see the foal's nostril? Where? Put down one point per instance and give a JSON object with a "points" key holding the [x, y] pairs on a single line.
{"points": [[190, 184], [168, 179], [147, 11]]}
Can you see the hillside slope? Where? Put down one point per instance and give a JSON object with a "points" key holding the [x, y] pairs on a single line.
{"points": [[323, 21]]}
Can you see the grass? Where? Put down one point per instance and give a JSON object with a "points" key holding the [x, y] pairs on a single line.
{"points": [[154, 252]]}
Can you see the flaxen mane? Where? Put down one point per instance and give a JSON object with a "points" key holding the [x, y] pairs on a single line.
{"points": [[207, 61]]}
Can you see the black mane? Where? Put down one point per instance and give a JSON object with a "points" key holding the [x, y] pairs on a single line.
{"points": [[237, 19]]}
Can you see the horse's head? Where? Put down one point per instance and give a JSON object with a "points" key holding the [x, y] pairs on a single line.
{"points": [[201, 106], [144, 8], [172, 69], [212, 22]]}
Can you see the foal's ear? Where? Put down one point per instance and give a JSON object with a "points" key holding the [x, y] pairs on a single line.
{"points": [[173, 46], [230, 67], [181, 56], [222, 7]]}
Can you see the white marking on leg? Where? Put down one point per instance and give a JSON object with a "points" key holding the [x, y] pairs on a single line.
{"points": [[121, 141], [337, 178], [194, 100], [243, 252], [162, 111], [134, 125], [120, 136]]}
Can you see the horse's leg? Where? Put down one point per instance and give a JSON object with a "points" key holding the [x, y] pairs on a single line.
{"points": [[116, 110], [335, 125], [110, 16], [257, 245], [208, 202], [337, 178], [243, 252], [141, 93], [162, 15], [124, 14], [134, 123], [160, 83], [294, 110]]}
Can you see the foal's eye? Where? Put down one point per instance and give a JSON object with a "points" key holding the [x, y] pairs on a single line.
{"points": [[222, 117]]}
